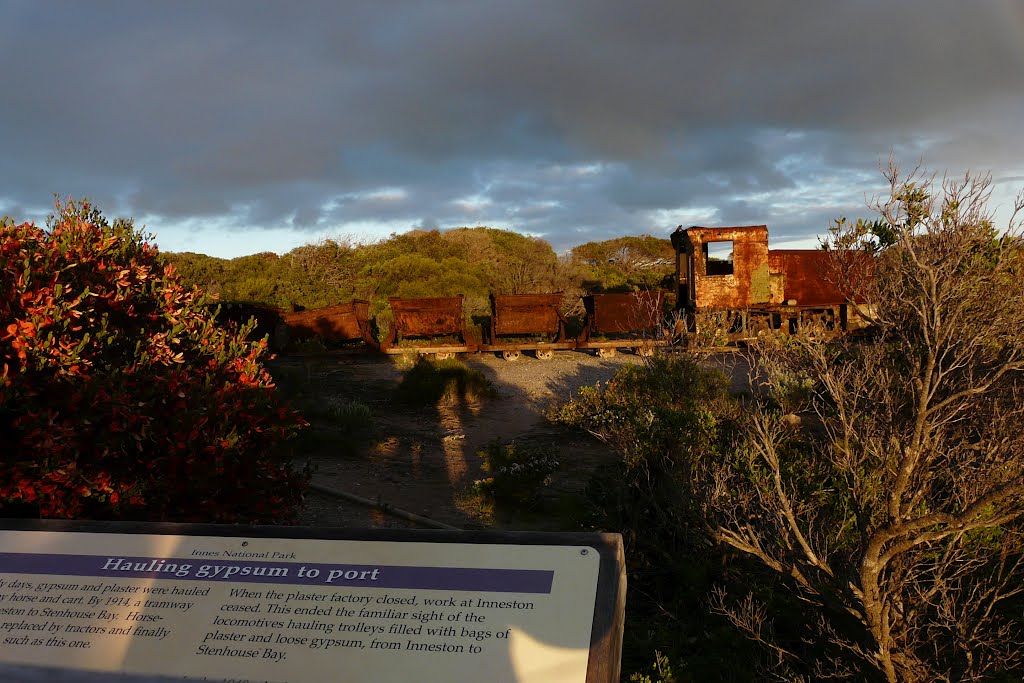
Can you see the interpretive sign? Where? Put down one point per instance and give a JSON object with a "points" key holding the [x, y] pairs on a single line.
{"points": [[294, 605]]}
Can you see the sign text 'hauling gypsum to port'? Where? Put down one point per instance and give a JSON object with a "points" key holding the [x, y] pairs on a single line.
{"points": [[295, 610]]}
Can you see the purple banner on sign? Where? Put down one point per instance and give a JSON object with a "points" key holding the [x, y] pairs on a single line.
{"points": [[234, 571]]}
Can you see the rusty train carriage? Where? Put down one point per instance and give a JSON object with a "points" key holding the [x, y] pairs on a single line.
{"points": [[635, 320], [756, 289], [341, 323], [426, 318], [527, 315]]}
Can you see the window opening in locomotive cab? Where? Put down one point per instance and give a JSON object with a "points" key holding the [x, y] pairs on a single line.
{"points": [[718, 257]]}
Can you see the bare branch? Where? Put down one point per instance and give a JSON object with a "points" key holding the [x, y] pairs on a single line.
{"points": [[898, 503]]}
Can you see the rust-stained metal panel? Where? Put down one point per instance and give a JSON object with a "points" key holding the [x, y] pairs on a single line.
{"points": [[340, 323], [747, 285], [526, 314], [635, 312], [428, 317], [808, 276]]}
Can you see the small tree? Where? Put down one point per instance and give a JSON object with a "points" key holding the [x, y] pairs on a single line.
{"points": [[119, 397], [892, 500]]}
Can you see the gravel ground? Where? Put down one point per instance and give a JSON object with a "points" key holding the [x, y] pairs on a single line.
{"points": [[423, 460]]}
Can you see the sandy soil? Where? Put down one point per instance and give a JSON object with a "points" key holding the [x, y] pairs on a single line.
{"points": [[424, 460]]}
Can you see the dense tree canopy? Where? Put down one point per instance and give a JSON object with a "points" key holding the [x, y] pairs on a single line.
{"points": [[625, 263], [420, 263]]}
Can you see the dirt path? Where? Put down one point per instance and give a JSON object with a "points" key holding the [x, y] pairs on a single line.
{"points": [[424, 460]]}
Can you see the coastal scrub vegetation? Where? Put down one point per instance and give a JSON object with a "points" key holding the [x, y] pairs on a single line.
{"points": [[857, 513], [119, 396], [429, 263], [895, 508]]}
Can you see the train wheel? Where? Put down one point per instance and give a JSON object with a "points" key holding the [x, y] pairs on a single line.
{"points": [[510, 355], [644, 351], [606, 352], [444, 355], [545, 354]]}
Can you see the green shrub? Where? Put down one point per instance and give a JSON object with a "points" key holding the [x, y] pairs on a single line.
{"points": [[405, 361], [662, 670], [712, 329], [518, 474], [663, 418], [443, 382], [313, 345], [645, 408], [348, 415], [119, 396]]}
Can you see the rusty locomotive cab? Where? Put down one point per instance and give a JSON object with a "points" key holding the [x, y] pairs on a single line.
{"points": [[431, 325], [731, 274], [349, 322], [633, 320], [527, 322]]}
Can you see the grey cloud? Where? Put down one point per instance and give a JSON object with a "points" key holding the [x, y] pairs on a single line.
{"points": [[261, 114], [426, 224]]}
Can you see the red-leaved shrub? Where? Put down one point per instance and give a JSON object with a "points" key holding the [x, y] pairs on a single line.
{"points": [[119, 397]]}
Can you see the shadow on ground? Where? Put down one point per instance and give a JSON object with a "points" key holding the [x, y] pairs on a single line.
{"points": [[424, 458]]}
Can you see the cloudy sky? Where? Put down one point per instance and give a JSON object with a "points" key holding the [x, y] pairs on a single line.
{"points": [[235, 127]]}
